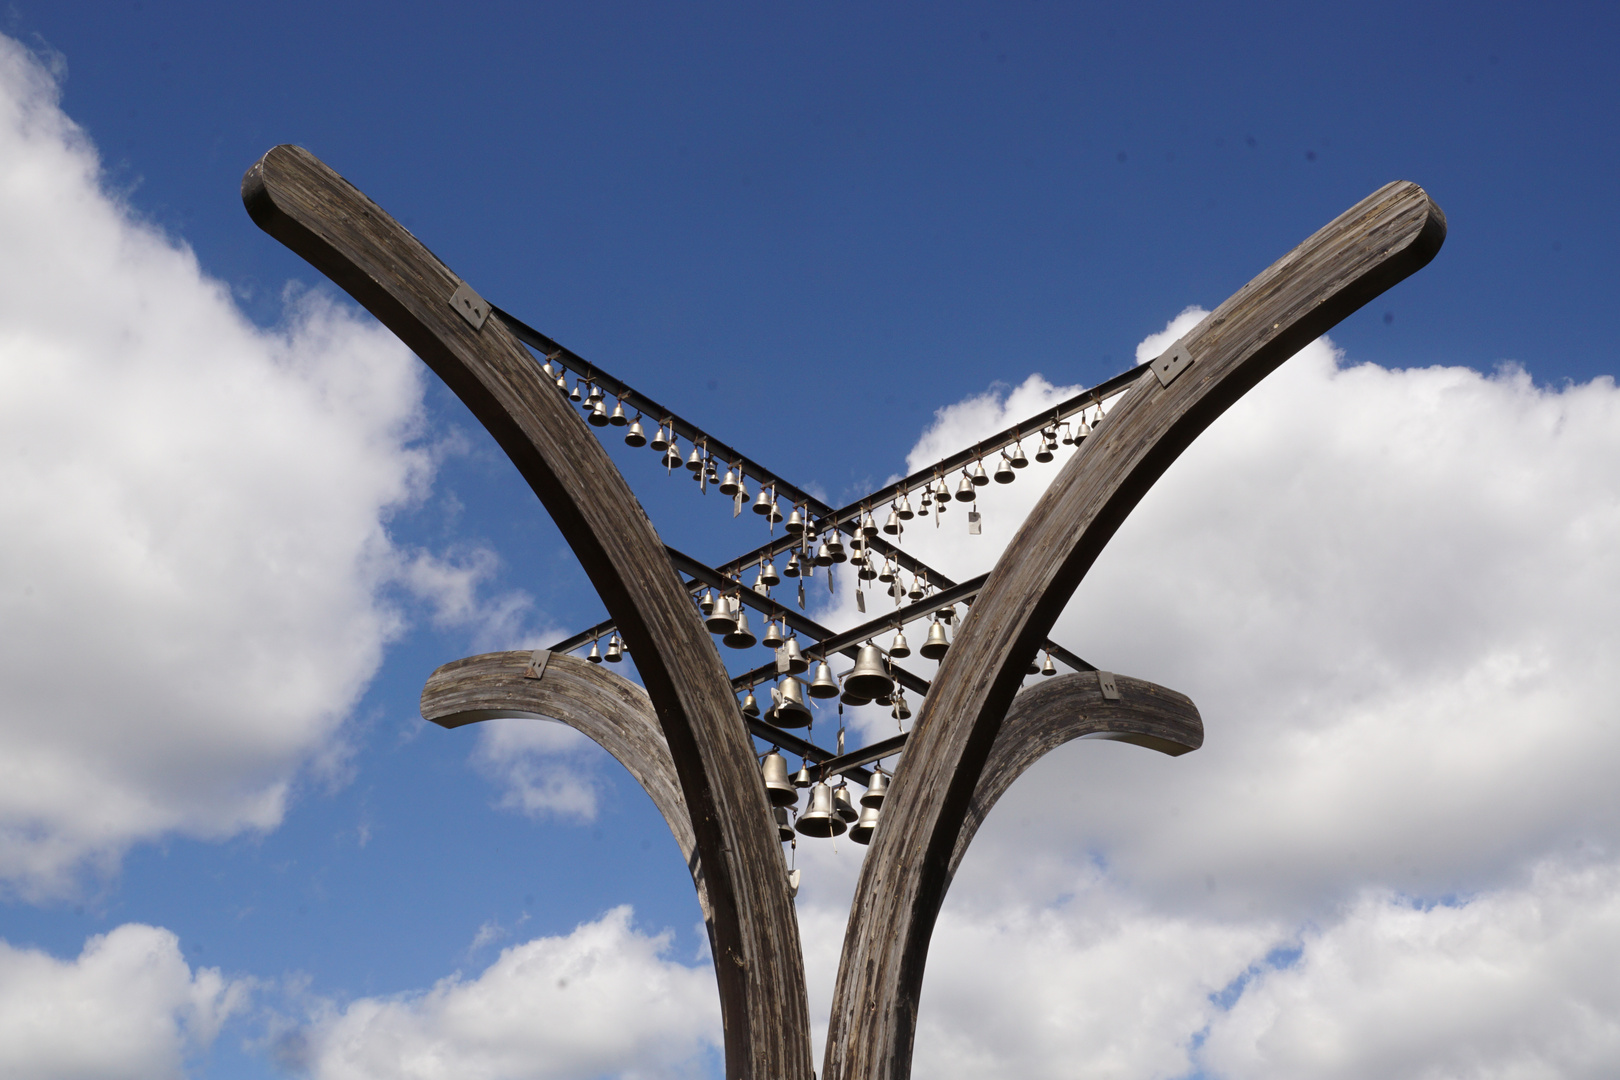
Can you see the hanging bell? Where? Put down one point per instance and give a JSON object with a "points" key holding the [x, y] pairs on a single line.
{"points": [[892, 526], [824, 555], [741, 637], [722, 620], [784, 829], [550, 372], [1004, 471], [615, 650], [706, 602], [795, 523], [635, 436], [947, 614], [820, 820], [792, 567], [789, 709], [694, 461], [598, 416], [870, 678], [904, 509], [728, 486], [900, 710], [672, 454], [595, 655], [593, 394], [1034, 668], [778, 789], [824, 685], [768, 574], [797, 664], [865, 825], [804, 777], [842, 806], [1019, 461], [927, 499], [617, 417], [942, 492], [876, 790], [867, 571], [869, 525], [965, 491], [1046, 452], [835, 548], [660, 441], [763, 504], [937, 642], [918, 590], [562, 380], [853, 700], [1048, 668], [1068, 435], [886, 575], [773, 636], [898, 649], [978, 474], [574, 394], [750, 705], [711, 472]]}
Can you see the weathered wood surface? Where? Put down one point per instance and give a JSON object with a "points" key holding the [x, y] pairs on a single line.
{"points": [[301, 202], [1387, 236], [613, 711], [1055, 711]]}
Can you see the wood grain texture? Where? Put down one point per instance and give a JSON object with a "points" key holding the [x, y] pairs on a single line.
{"points": [[301, 202], [1068, 707], [1387, 236], [613, 711]]}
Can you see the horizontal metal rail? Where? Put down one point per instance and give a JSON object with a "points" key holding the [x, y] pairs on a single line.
{"points": [[811, 752], [877, 751]]}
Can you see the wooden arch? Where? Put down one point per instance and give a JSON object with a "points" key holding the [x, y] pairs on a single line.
{"points": [[972, 736]]}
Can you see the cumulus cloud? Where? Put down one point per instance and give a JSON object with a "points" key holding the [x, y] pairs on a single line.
{"points": [[601, 1001], [194, 569], [128, 1007], [542, 768]]}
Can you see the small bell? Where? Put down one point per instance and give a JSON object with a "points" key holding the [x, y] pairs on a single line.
{"points": [[1019, 461], [797, 664], [918, 590], [778, 789], [694, 461], [1004, 471], [1034, 668], [965, 491], [803, 778], [672, 454], [635, 436], [1048, 668], [892, 526], [595, 655], [898, 649], [750, 705], [927, 499], [820, 820], [615, 650], [824, 555], [842, 806], [562, 380], [1068, 435], [867, 571], [729, 485], [795, 523], [900, 711], [617, 417], [824, 685], [721, 620], [550, 372], [773, 514], [792, 567], [768, 573], [937, 643], [764, 503], [660, 441], [574, 394], [741, 637], [784, 829], [876, 790], [1085, 428], [869, 525], [706, 602], [942, 492], [870, 679], [904, 509], [947, 614], [835, 548], [886, 575], [598, 416], [978, 474], [593, 394], [773, 636], [789, 709], [1046, 452], [865, 825]]}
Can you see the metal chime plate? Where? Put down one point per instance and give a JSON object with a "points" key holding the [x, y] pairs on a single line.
{"points": [[1110, 689], [1172, 363], [473, 308]]}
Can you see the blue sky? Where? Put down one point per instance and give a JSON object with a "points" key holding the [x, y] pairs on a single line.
{"points": [[840, 238]]}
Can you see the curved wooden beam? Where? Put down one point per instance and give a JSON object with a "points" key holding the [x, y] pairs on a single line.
{"points": [[1055, 711], [300, 201], [1372, 246], [611, 710]]}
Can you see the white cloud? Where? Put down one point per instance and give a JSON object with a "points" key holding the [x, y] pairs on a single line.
{"points": [[602, 1001], [542, 767], [128, 1007]]}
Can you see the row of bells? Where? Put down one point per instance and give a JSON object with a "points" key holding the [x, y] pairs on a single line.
{"points": [[830, 811]]}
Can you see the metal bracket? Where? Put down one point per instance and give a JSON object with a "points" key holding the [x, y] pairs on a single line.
{"points": [[1110, 689], [1172, 363], [537, 664], [473, 308]]}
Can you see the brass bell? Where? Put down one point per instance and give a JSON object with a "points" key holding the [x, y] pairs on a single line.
{"points": [[768, 574], [870, 679], [784, 829], [728, 486], [820, 820], [788, 709], [824, 685], [876, 790], [706, 602], [617, 417], [978, 475], [937, 642], [803, 778], [892, 526], [741, 637], [594, 656], [694, 461], [900, 711], [615, 650], [797, 664], [721, 620], [795, 523], [1019, 461], [635, 436], [778, 789], [898, 649], [750, 705], [598, 416], [1048, 668], [842, 806], [965, 491], [1004, 471], [773, 636], [865, 825], [869, 525], [824, 555], [660, 441], [792, 567]]}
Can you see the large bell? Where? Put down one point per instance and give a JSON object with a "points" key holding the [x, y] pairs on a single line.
{"points": [[865, 825], [1004, 471], [841, 804], [853, 700], [741, 637], [721, 620], [978, 475], [765, 502], [1019, 461], [773, 636], [795, 523], [898, 649], [598, 416], [824, 685], [790, 711], [750, 705], [942, 492], [875, 791], [869, 679], [729, 485], [797, 664], [595, 655], [778, 788], [937, 642], [820, 820], [615, 650], [965, 491], [660, 441], [784, 828], [635, 436]]}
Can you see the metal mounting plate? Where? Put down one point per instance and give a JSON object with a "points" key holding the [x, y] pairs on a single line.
{"points": [[537, 664], [1172, 363], [473, 308], [1110, 689]]}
